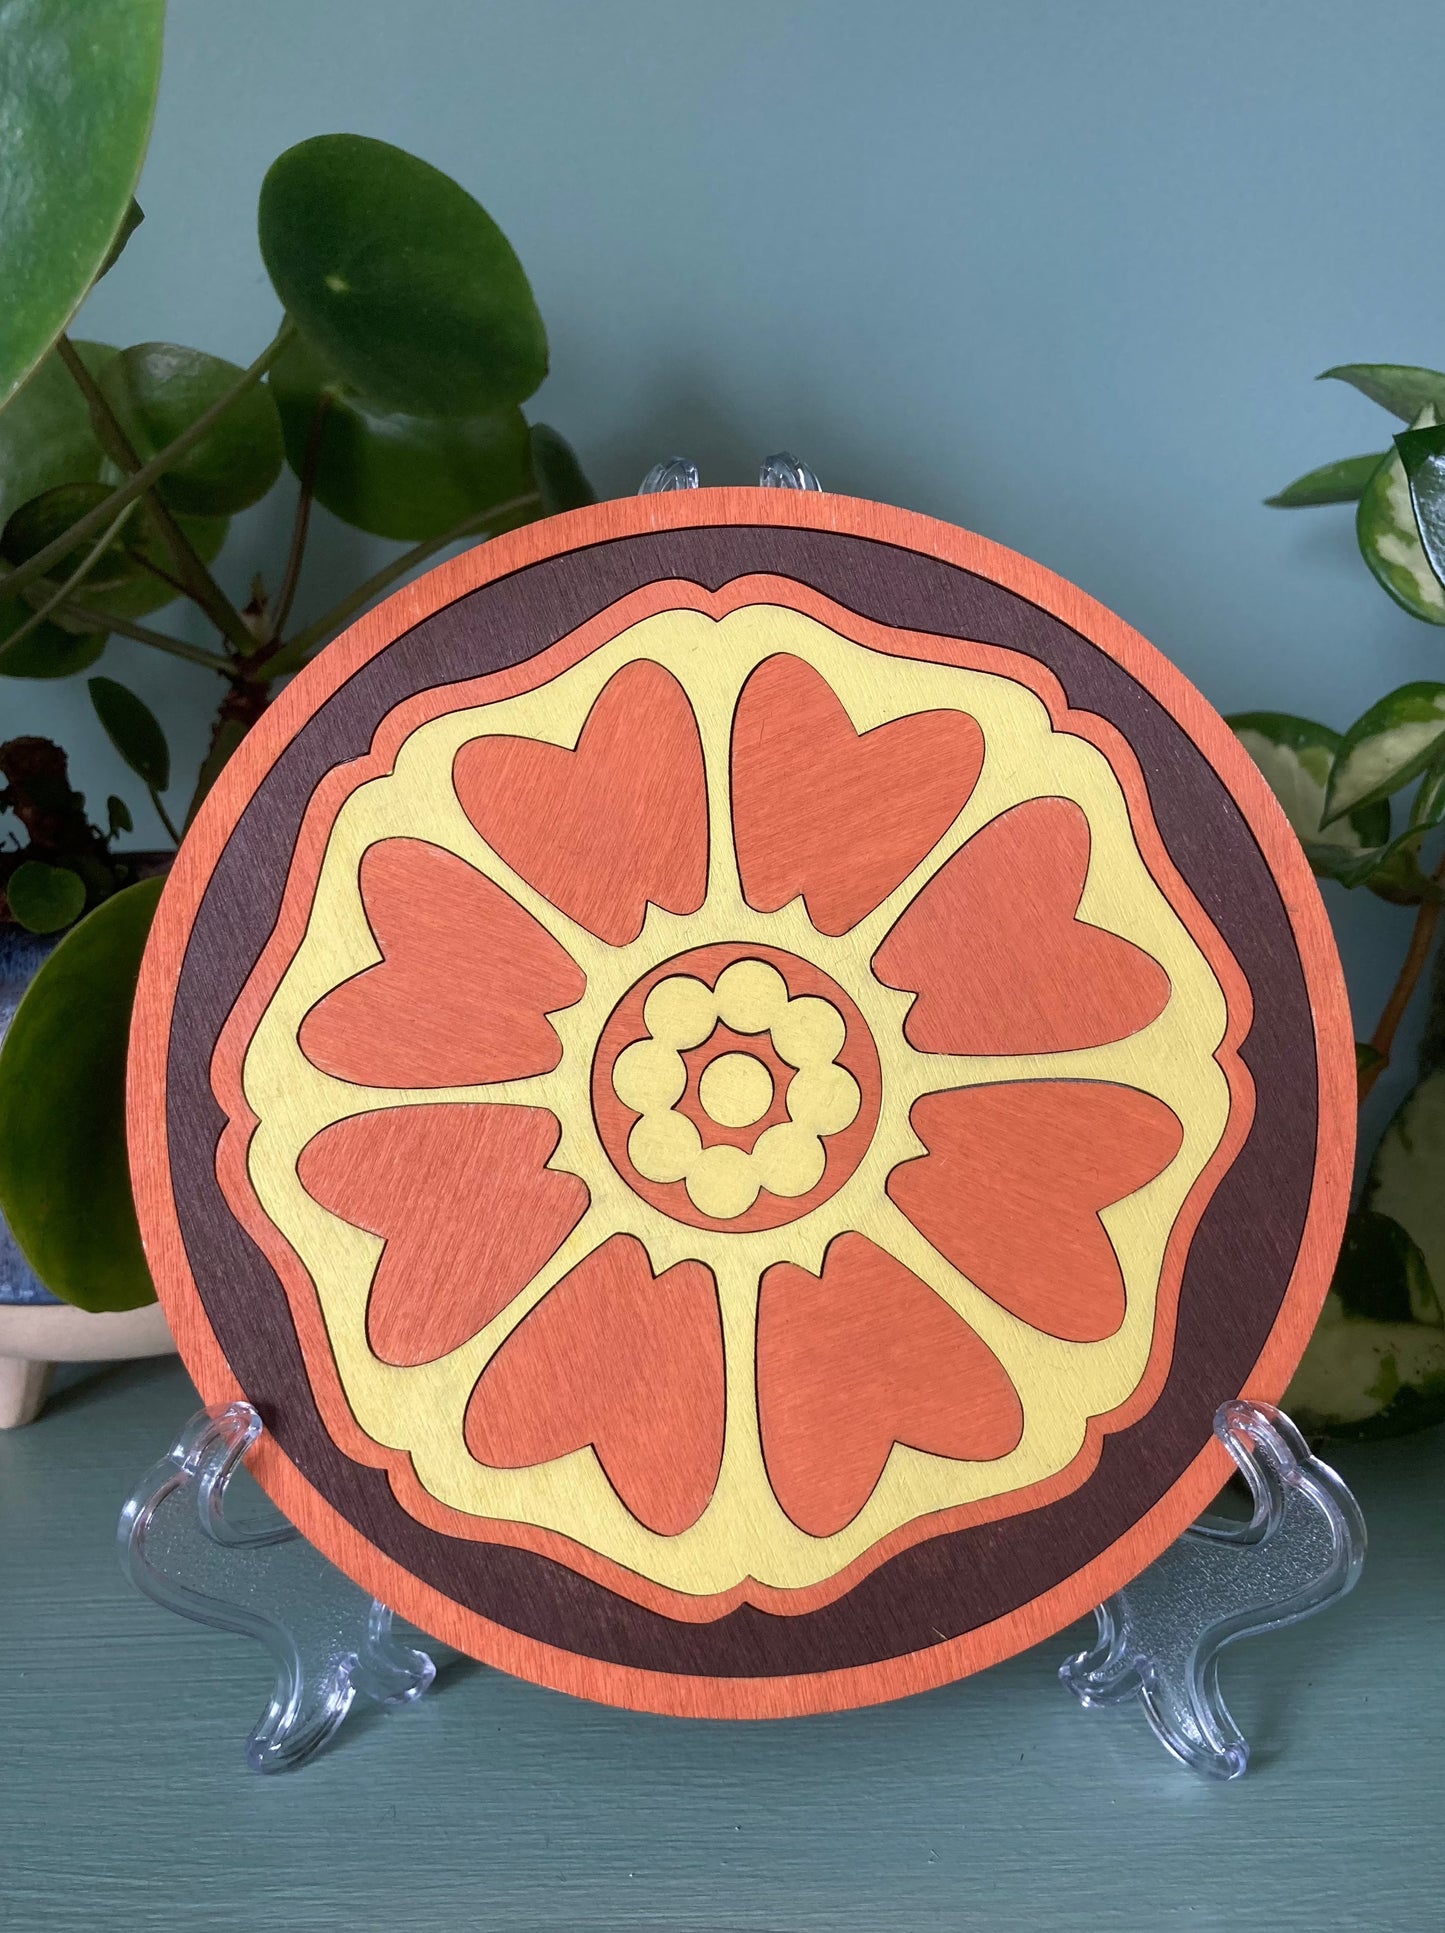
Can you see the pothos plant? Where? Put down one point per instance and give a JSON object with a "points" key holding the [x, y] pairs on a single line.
{"points": [[1367, 804], [407, 341]]}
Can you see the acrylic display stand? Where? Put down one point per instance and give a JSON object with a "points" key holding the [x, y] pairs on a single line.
{"points": [[188, 1543], [1159, 1638]]}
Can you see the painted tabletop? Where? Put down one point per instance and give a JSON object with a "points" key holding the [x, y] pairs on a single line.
{"points": [[993, 1803]]}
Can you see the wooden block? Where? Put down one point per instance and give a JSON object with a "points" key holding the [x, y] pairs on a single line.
{"points": [[737, 1074]]}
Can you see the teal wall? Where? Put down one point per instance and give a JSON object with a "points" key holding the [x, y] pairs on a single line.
{"points": [[1060, 272]]}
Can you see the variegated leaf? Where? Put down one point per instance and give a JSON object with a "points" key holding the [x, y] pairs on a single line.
{"points": [[1389, 537], [1392, 743]]}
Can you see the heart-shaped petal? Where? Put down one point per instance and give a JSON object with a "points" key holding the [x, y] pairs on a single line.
{"points": [[602, 829], [1012, 1185], [625, 1361], [840, 816], [465, 983], [856, 1360], [467, 1208], [997, 957]]}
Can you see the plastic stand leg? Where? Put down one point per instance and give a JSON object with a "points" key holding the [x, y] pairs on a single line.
{"points": [[1161, 1636], [331, 1642]]}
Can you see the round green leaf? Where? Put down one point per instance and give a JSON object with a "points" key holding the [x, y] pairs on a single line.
{"points": [[392, 474], [1341, 482], [399, 279], [77, 92], [45, 433], [41, 519], [47, 651], [560, 477], [1389, 538], [134, 730], [44, 898], [1297, 756], [119, 581], [64, 1176], [158, 389], [1390, 744]]}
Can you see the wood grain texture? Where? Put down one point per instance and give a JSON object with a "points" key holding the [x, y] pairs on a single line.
{"points": [[824, 1636], [446, 935], [834, 814], [600, 830], [622, 1362], [1014, 1185], [1037, 979], [859, 1358], [464, 1206]]}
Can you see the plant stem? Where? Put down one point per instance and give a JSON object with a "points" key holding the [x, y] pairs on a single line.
{"points": [[143, 634], [198, 582], [163, 576], [242, 705], [164, 816], [77, 576], [310, 464], [149, 473], [295, 653], [1422, 935]]}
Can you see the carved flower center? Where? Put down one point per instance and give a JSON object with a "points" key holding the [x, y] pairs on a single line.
{"points": [[726, 1084]]}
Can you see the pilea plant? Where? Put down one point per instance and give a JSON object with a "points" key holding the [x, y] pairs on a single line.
{"points": [[407, 341], [1367, 804]]}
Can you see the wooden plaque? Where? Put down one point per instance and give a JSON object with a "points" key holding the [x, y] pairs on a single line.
{"points": [[736, 1075]]}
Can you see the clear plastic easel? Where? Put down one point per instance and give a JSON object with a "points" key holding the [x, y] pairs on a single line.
{"points": [[186, 1543]]}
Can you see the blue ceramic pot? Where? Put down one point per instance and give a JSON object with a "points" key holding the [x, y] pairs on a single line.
{"points": [[20, 956]]}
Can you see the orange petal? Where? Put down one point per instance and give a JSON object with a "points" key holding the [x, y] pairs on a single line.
{"points": [[840, 816], [999, 962], [856, 1360], [465, 1204], [603, 829], [1012, 1185], [465, 983], [625, 1361]]}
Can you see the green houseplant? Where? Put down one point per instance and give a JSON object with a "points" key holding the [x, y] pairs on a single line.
{"points": [[391, 393], [1368, 804]]}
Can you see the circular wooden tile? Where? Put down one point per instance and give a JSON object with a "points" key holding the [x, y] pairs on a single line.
{"points": [[736, 1075]]}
